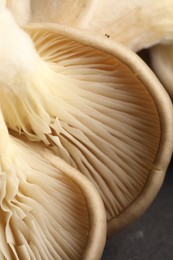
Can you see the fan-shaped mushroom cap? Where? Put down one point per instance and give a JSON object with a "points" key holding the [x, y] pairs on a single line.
{"points": [[79, 11], [162, 64], [74, 13], [104, 109], [20, 10], [48, 210], [137, 24]]}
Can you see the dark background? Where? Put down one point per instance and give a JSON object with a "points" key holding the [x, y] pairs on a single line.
{"points": [[151, 236]]}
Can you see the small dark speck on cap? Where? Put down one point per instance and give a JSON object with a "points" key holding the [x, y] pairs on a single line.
{"points": [[107, 35]]}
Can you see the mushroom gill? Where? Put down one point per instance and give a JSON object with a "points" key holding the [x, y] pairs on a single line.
{"points": [[97, 105], [111, 127], [48, 210]]}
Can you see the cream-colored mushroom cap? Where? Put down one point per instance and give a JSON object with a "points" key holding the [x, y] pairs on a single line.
{"points": [[137, 24], [48, 210], [79, 11], [74, 13], [98, 105], [20, 9]]}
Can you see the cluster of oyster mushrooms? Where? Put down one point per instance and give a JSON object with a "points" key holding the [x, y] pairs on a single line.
{"points": [[86, 128]]}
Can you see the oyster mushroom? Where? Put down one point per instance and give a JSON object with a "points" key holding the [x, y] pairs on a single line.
{"points": [[48, 210], [97, 104], [162, 63], [76, 12], [79, 12], [20, 9], [137, 24]]}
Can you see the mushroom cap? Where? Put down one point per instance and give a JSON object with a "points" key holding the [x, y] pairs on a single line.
{"points": [[137, 24], [106, 112], [73, 13], [48, 209], [21, 10], [123, 137], [162, 64]]}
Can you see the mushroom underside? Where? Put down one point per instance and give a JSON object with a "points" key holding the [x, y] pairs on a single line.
{"points": [[94, 112], [44, 212]]}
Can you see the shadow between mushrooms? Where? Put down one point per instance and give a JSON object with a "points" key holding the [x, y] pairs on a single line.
{"points": [[162, 64], [48, 210], [99, 107]]}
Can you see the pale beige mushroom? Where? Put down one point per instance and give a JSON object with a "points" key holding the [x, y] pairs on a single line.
{"points": [[162, 64], [48, 210], [74, 13], [20, 9], [79, 11], [137, 24], [97, 104]]}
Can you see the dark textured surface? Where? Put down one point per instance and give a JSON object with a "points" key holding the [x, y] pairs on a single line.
{"points": [[151, 236]]}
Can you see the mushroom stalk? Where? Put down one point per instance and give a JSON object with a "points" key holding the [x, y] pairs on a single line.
{"points": [[21, 81]]}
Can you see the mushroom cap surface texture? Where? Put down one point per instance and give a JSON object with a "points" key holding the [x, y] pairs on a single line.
{"points": [[48, 209], [137, 24], [104, 112], [74, 13]]}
